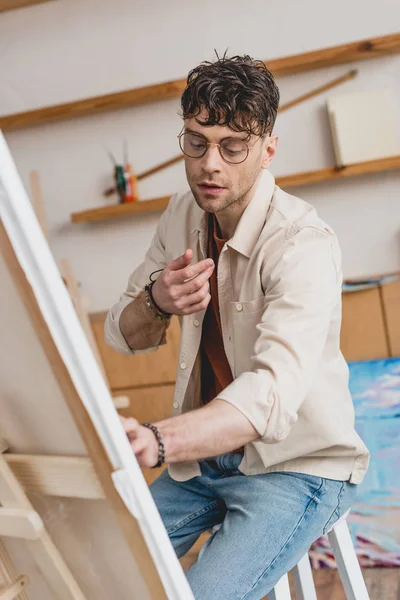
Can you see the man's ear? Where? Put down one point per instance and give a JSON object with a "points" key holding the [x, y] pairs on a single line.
{"points": [[269, 150]]}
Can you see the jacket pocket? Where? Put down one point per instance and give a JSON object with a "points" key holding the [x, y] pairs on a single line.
{"points": [[248, 308], [245, 317]]}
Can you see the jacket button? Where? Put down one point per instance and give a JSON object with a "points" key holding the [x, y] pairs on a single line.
{"points": [[183, 365], [239, 307], [176, 404], [196, 323]]}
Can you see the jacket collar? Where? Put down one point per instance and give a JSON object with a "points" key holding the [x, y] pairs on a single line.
{"points": [[251, 222]]}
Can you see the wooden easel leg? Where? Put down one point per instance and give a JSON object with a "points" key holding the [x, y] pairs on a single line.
{"points": [[45, 553], [8, 573], [14, 590]]}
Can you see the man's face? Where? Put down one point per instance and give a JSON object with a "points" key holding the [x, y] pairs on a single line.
{"points": [[216, 184]]}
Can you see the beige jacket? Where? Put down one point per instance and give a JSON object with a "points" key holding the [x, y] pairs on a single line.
{"points": [[279, 284]]}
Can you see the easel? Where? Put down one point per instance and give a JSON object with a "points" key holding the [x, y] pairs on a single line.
{"points": [[25, 520], [18, 518], [102, 466]]}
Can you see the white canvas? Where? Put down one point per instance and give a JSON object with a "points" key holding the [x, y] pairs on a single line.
{"points": [[363, 126], [41, 271]]}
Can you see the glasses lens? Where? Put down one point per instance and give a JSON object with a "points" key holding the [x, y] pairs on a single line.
{"points": [[234, 151], [193, 145]]}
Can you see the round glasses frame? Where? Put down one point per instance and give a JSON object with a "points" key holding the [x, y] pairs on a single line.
{"points": [[208, 144]]}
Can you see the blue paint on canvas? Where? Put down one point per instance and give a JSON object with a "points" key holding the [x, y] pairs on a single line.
{"points": [[375, 517]]}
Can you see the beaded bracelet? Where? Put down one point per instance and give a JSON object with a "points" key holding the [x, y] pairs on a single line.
{"points": [[161, 449], [149, 303]]}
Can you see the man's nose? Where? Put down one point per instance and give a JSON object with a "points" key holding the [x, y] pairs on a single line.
{"points": [[212, 159]]}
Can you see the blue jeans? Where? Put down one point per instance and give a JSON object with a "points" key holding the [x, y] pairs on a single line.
{"points": [[267, 523]]}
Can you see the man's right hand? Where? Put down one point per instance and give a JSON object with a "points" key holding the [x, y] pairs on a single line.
{"points": [[182, 288]]}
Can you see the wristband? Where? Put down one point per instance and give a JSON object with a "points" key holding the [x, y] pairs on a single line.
{"points": [[163, 312], [161, 450], [149, 303]]}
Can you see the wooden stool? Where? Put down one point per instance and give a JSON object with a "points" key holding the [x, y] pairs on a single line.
{"points": [[347, 564]]}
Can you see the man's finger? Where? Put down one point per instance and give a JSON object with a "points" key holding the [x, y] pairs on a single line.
{"points": [[139, 445], [182, 261], [194, 270], [130, 425], [194, 284], [193, 308]]}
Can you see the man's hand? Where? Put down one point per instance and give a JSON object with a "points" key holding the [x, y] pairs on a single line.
{"points": [[182, 288], [213, 429], [143, 442]]}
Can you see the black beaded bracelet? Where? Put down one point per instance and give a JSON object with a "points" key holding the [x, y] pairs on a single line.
{"points": [[161, 449]]}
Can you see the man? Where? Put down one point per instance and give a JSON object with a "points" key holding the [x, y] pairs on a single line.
{"points": [[265, 446]]}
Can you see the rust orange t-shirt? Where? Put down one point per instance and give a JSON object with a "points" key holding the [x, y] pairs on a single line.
{"points": [[215, 371]]}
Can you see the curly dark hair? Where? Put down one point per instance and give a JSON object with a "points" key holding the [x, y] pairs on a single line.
{"points": [[239, 92]]}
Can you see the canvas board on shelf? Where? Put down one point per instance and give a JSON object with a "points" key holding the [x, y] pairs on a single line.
{"points": [[363, 126]]}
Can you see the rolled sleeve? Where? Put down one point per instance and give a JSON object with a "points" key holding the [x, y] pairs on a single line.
{"points": [[154, 260], [301, 294], [114, 337]]}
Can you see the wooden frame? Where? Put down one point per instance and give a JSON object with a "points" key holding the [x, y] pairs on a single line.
{"points": [[298, 63], [59, 476], [20, 523], [42, 290]]}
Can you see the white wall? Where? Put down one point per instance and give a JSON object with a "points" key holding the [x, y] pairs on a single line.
{"points": [[70, 49]]}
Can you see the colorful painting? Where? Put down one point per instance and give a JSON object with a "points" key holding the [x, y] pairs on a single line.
{"points": [[375, 516]]}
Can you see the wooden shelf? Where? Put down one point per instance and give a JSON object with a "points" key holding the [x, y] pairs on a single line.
{"points": [[13, 4], [120, 210], [298, 63], [146, 206], [363, 168]]}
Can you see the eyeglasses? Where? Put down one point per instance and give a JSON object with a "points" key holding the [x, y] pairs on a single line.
{"points": [[232, 151]]}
